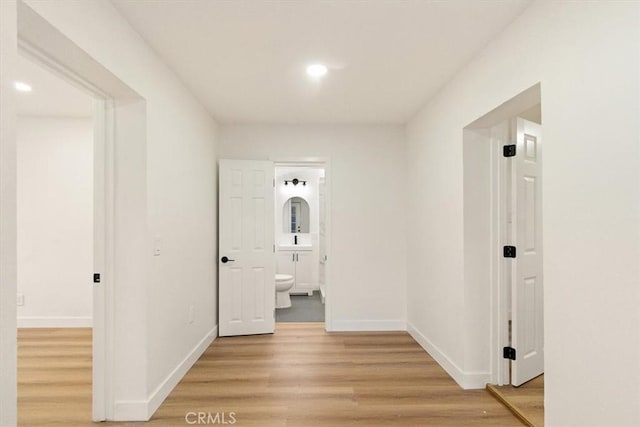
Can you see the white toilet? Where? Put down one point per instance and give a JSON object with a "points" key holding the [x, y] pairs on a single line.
{"points": [[284, 282]]}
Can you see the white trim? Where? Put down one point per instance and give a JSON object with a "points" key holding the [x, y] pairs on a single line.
{"points": [[54, 67], [104, 295], [8, 167], [130, 410], [466, 380], [311, 162], [102, 142], [143, 410], [500, 306], [367, 325], [55, 322], [164, 389]]}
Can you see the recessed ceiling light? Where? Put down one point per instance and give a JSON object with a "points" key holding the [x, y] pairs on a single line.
{"points": [[316, 70], [22, 87]]}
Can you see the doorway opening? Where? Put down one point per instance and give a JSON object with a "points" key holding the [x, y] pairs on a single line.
{"points": [[43, 44], [503, 236], [60, 136], [55, 235], [300, 242], [249, 222], [55, 129]]}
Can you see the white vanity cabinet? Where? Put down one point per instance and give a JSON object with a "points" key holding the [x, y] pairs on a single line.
{"points": [[299, 264]]}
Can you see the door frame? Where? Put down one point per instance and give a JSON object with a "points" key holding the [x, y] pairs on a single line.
{"points": [[324, 163], [121, 105], [103, 224], [500, 270], [495, 130], [117, 103]]}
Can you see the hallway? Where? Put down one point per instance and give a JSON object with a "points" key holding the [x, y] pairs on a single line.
{"points": [[299, 376]]}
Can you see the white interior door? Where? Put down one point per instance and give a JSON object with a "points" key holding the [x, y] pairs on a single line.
{"points": [[246, 258], [527, 285]]}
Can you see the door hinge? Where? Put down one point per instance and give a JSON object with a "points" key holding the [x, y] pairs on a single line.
{"points": [[509, 251], [274, 248], [509, 150], [96, 277], [274, 183], [509, 353]]}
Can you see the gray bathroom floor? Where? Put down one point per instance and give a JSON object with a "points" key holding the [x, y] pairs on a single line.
{"points": [[303, 309]]}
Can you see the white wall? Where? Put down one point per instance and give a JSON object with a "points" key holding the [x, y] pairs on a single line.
{"points": [[55, 221], [477, 243], [8, 52], [585, 55], [171, 183], [366, 181]]}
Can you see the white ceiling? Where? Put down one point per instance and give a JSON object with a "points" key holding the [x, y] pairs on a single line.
{"points": [[51, 95], [245, 60]]}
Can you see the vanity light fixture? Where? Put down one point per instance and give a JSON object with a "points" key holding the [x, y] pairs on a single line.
{"points": [[294, 181]]}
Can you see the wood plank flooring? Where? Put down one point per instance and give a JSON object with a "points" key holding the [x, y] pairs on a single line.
{"points": [[527, 400], [54, 377], [299, 376]]}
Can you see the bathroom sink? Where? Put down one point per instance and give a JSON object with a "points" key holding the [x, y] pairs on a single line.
{"points": [[295, 247]]}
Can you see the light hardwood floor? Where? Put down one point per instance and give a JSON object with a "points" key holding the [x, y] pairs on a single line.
{"points": [[527, 400], [299, 376]]}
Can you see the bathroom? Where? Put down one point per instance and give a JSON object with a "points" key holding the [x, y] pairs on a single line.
{"points": [[300, 240]]}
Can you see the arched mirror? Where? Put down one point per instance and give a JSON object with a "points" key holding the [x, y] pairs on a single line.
{"points": [[296, 216]]}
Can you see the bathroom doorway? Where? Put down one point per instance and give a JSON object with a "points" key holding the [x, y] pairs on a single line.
{"points": [[301, 241]]}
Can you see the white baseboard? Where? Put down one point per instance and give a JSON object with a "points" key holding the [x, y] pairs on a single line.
{"points": [[143, 410], [164, 389], [54, 322], [367, 325], [130, 410], [466, 380]]}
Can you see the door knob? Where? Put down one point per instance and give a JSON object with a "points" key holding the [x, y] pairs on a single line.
{"points": [[225, 260]]}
